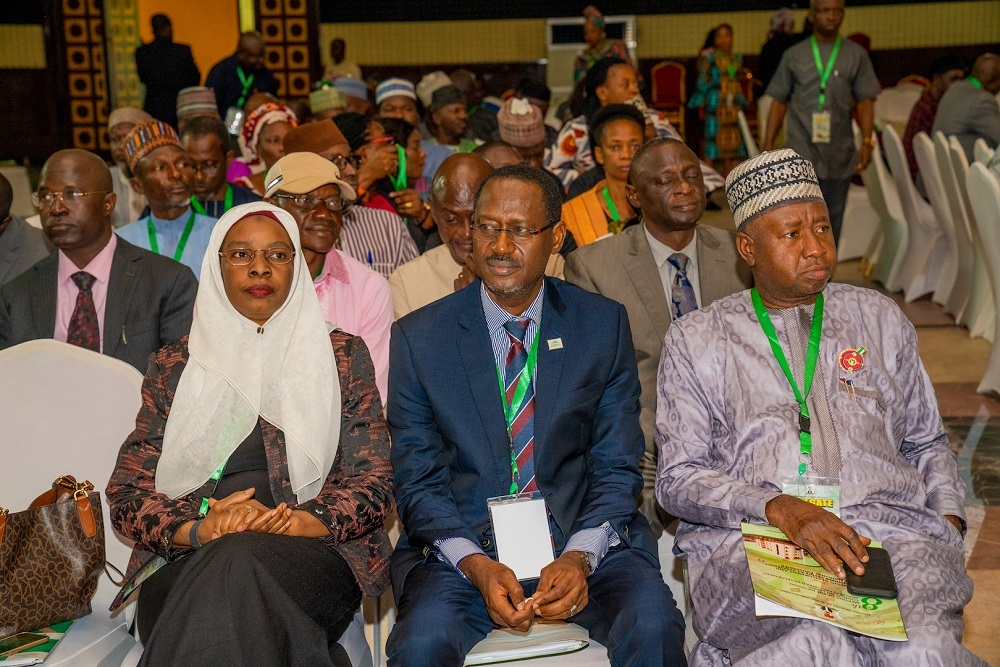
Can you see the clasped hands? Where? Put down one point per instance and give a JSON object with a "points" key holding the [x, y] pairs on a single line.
{"points": [[239, 512], [830, 541], [561, 592]]}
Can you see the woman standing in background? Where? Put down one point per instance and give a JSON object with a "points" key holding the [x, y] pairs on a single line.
{"points": [[718, 98]]}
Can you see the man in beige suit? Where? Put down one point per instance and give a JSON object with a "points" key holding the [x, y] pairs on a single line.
{"points": [[660, 269], [446, 268]]}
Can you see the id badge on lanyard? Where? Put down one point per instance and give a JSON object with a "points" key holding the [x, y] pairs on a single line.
{"points": [[821, 127], [521, 533], [819, 491]]}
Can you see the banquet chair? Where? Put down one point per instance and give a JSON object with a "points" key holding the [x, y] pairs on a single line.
{"points": [[862, 223], [748, 140], [887, 250], [66, 411], [980, 320], [925, 253], [923, 149], [984, 193], [958, 301], [982, 152], [669, 93]]}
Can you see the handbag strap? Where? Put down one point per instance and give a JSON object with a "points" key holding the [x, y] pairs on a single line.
{"points": [[3, 522], [66, 485]]}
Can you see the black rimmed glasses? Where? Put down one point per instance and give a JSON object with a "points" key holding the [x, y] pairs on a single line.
{"points": [[308, 202]]}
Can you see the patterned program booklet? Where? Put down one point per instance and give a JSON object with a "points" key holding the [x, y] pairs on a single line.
{"points": [[788, 582]]}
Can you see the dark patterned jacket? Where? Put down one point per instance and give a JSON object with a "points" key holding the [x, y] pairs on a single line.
{"points": [[353, 503]]}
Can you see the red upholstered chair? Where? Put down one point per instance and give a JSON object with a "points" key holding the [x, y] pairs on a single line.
{"points": [[669, 92]]}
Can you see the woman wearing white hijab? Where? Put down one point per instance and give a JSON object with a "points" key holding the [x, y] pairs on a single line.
{"points": [[258, 470]]}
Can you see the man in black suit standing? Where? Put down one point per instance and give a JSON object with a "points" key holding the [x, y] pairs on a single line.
{"points": [[165, 68], [96, 290]]}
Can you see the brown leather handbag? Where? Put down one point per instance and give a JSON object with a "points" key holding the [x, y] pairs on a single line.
{"points": [[51, 556]]}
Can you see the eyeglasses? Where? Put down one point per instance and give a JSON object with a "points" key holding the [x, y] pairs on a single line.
{"points": [[246, 256], [343, 160], [48, 198], [488, 232], [207, 168], [308, 202]]}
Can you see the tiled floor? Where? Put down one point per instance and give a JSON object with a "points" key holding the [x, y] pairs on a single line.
{"points": [[955, 364]]}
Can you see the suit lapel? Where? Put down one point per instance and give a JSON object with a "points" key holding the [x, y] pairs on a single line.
{"points": [[645, 277], [121, 286], [476, 350], [12, 239], [713, 273], [43, 296], [550, 365]]}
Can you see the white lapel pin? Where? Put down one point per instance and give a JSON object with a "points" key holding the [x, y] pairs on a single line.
{"points": [[555, 343]]}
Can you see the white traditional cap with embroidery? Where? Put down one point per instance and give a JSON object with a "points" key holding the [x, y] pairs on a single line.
{"points": [[770, 180], [394, 87], [430, 83]]}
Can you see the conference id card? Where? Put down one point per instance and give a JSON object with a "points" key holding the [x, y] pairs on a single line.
{"points": [[819, 491], [821, 127], [521, 532]]}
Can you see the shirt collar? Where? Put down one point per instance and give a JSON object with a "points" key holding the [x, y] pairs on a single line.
{"points": [[99, 267], [662, 252], [496, 316], [333, 269]]}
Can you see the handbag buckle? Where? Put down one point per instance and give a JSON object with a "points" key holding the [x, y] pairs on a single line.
{"points": [[3, 511], [83, 490]]}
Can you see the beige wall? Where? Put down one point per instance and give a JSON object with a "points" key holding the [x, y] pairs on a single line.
{"points": [[662, 35], [22, 47]]}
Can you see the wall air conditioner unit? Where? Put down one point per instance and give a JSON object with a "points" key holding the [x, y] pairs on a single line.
{"points": [[564, 39]]}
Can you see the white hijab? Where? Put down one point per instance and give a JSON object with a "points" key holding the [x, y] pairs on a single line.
{"points": [[284, 372]]}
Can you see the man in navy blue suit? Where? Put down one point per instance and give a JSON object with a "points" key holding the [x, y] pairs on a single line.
{"points": [[566, 425]]}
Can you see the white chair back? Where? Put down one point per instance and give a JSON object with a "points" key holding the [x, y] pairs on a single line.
{"points": [[958, 300], [922, 264], [982, 304], [923, 149], [984, 193], [893, 106], [66, 410], [894, 238], [748, 140], [21, 184], [982, 152]]}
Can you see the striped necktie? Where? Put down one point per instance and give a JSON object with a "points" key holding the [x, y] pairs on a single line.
{"points": [[522, 430], [681, 291]]}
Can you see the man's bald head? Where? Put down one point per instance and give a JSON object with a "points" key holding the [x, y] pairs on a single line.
{"points": [[987, 70], [453, 200], [667, 187], [90, 167], [6, 198], [642, 158], [459, 176], [250, 51]]}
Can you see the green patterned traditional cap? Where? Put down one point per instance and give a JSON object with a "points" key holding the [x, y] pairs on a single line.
{"points": [[771, 179]]}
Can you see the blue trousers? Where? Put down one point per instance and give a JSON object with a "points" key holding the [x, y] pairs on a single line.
{"points": [[631, 612]]}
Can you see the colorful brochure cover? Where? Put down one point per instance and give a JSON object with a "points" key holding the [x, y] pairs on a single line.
{"points": [[788, 582]]}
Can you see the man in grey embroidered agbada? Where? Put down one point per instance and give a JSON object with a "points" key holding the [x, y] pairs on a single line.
{"points": [[729, 429]]}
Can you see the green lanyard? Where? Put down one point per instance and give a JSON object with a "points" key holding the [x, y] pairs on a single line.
{"points": [[812, 355], [976, 82], [510, 409], [179, 252], [399, 180], [216, 476], [824, 73], [247, 81], [616, 219], [226, 204]]}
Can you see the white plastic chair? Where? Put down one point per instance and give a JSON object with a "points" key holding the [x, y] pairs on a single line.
{"points": [[66, 410], [982, 152], [861, 221], [925, 253], [21, 184], [981, 318], [984, 193], [958, 301], [748, 140], [893, 106], [923, 149]]}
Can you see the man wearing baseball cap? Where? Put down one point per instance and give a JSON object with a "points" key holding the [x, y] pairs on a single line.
{"points": [[162, 171], [353, 296]]}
